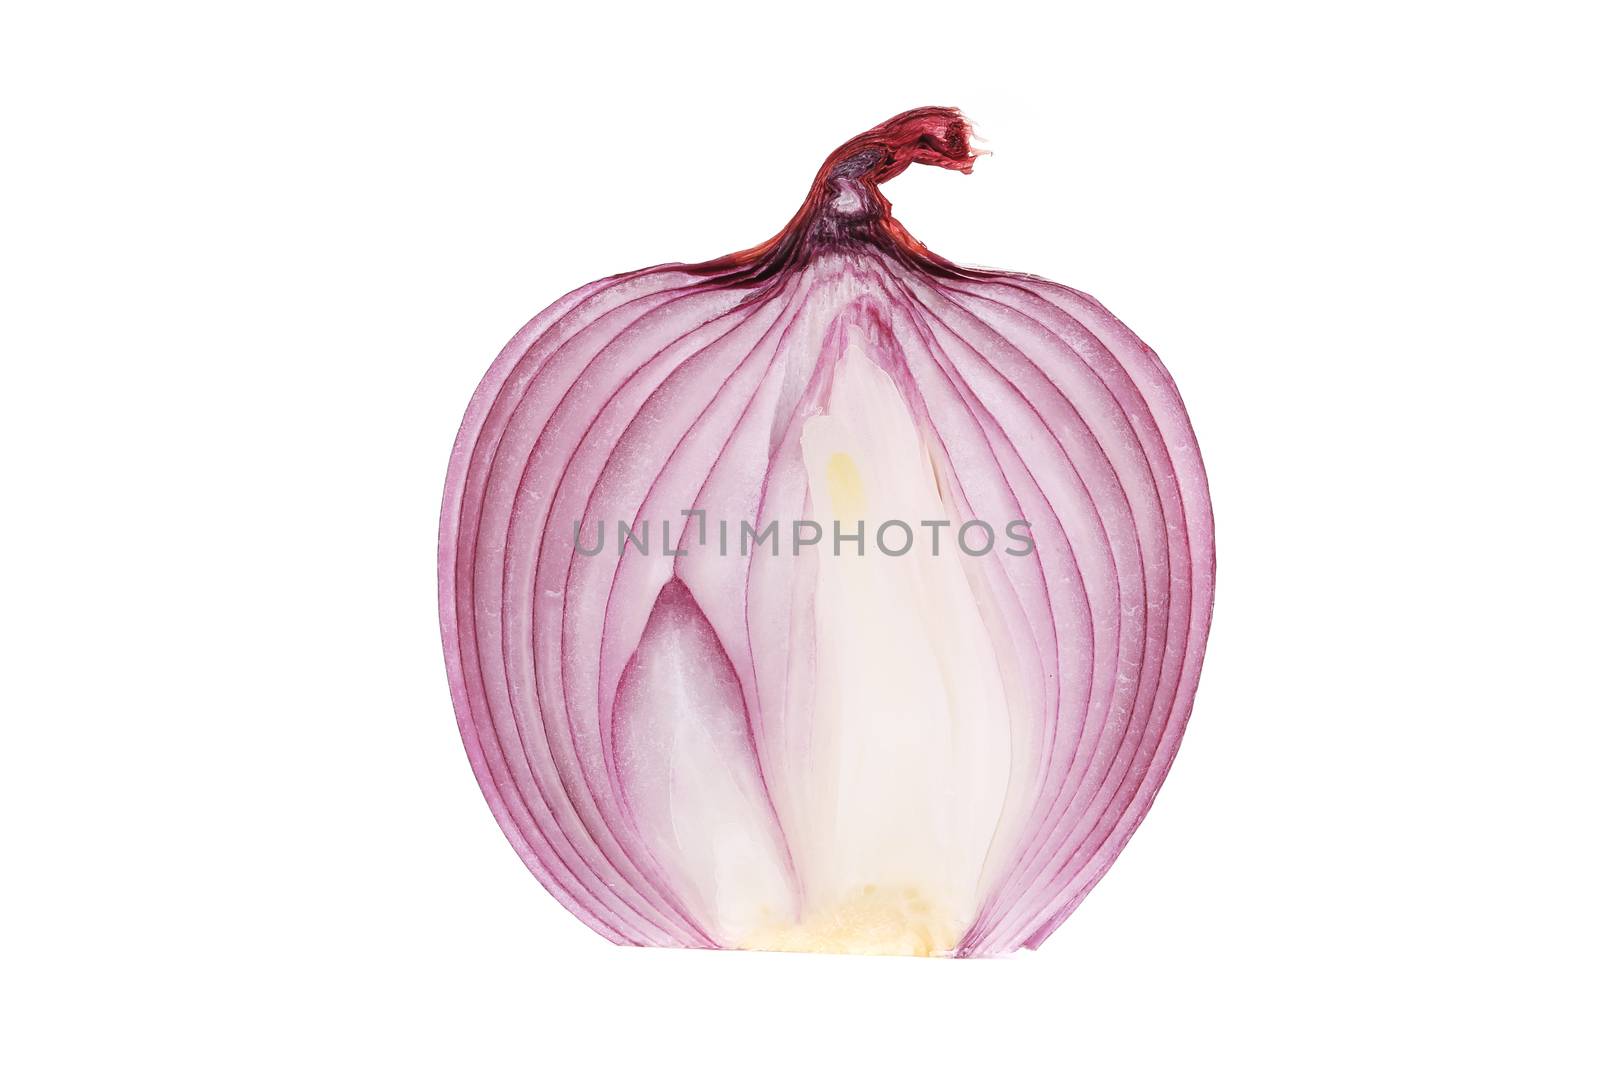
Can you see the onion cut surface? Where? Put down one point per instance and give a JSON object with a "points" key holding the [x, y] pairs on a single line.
{"points": [[827, 596]]}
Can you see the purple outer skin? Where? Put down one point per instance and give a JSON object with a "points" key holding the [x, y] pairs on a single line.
{"points": [[675, 387]]}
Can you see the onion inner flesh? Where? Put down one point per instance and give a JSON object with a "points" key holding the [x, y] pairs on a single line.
{"points": [[901, 777]]}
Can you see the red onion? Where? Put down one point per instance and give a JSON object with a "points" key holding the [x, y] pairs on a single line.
{"points": [[719, 677]]}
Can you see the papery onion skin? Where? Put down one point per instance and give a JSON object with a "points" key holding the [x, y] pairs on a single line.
{"points": [[685, 387]]}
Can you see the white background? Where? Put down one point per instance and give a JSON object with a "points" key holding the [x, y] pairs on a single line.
{"points": [[255, 262]]}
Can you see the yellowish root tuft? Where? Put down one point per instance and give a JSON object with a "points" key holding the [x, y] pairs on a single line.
{"points": [[872, 922]]}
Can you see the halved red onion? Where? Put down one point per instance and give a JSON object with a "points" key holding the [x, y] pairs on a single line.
{"points": [[706, 713]]}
